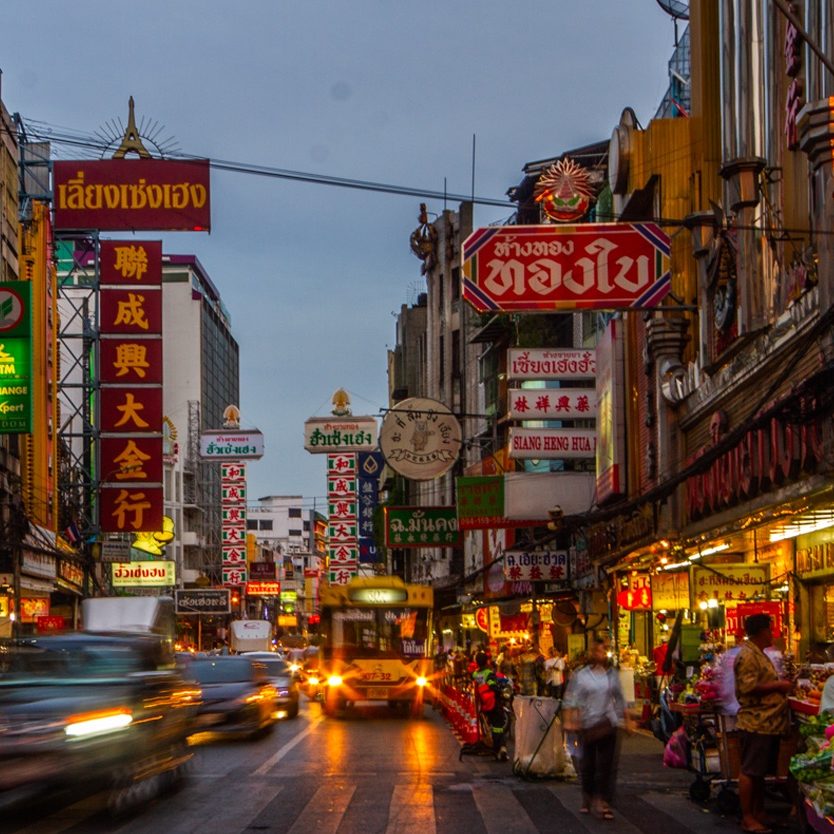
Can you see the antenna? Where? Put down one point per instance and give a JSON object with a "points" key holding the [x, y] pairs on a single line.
{"points": [[678, 9]]}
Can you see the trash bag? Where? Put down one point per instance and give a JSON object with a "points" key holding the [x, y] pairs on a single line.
{"points": [[677, 752]]}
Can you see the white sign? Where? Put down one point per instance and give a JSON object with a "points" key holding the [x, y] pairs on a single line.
{"points": [[536, 565], [420, 439], [340, 434], [552, 403], [146, 574], [115, 551], [231, 445], [540, 444], [550, 363]]}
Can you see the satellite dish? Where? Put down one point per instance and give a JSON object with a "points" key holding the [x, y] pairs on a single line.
{"points": [[678, 9]]}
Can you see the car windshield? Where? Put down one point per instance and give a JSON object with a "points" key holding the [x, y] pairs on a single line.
{"points": [[226, 670], [75, 661], [276, 668]]}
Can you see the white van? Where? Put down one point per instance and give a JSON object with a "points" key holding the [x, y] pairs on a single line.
{"points": [[251, 636]]}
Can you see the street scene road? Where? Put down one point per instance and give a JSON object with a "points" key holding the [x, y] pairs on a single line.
{"points": [[375, 771]]}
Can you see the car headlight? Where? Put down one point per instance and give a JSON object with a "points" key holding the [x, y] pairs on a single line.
{"points": [[335, 680], [313, 680], [97, 723]]}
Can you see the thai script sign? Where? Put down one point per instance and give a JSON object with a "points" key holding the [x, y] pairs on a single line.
{"points": [[15, 357], [202, 601], [670, 591], [145, 574], [817, 560], [132, 194], [552, 403], [550, 363], [536, 565], [552, 443], [729, 583], [590, 266], [420, 439], [765, 458], [262, 588], [635, 592], [323, 435], [736, 616], [232, 445], [262, 571], [421, 527]]}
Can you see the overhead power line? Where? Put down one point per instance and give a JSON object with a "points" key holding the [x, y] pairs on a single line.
{"points": [[43, 132]]}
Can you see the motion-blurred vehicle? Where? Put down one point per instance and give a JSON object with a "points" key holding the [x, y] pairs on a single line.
{"points": [[286, 682], [82, 707], [237, 694], [250, 636]]}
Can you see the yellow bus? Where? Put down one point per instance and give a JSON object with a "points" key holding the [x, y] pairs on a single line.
{"points": [[376, 643]]}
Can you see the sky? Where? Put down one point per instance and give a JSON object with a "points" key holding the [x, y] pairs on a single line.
{"points": [[381, 90]]}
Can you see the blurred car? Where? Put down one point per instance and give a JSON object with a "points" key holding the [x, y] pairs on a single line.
{"points": [[285, 681], [237, 694], [84, 707]]}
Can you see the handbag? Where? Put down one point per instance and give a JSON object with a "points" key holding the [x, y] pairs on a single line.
{"points": [[597, 732]]}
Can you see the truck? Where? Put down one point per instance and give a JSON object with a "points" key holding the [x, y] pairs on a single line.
{"points": [[251, 636]]}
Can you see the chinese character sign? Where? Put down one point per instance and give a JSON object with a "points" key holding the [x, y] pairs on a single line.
{"points": [[342, 502], [130, 373], [730, 584], [233, 523], [536, 565]]}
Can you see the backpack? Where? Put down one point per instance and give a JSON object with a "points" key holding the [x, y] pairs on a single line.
{"points": [[486, 696]]}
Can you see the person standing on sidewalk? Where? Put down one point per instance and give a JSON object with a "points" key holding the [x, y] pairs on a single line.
{"points": [[594, 707], [762, 720]]}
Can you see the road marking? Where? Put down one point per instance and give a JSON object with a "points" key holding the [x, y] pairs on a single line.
{"points": [[282, 751], [411, 809], [499, 809], [325, 811]]}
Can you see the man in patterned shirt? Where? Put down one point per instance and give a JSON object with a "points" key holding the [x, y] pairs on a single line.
{"points": [[762, 719]]}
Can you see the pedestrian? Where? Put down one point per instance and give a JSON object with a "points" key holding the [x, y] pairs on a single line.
{"points": [[762, 720], [594, 707], [486, 701], [554, 669]]}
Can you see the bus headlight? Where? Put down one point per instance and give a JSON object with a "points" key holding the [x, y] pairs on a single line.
{"points": [[421, 681], [334, 681], [313, 680]]}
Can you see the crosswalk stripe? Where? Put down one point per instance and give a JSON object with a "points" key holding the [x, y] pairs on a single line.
{"points": [[324, 812], [500, 810], [411, 809]]}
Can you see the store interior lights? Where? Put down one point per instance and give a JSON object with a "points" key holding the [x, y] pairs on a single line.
{"points": [[705, 604], [708, 551], [805, 523]]}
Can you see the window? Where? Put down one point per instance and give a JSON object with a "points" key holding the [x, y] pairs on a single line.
{"points": [[295, 512], [266, 524], [251, 523], [296, 533]]}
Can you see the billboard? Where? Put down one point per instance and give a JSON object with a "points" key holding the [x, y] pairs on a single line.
{"points": [[15, 357]]}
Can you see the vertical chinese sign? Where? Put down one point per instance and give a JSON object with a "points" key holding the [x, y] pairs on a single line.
{"points": [[233, 527], [369, 466], [130, 372], [343, 542]]}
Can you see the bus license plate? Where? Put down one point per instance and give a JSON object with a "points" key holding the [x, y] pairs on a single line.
{"points": [[380, 693]]}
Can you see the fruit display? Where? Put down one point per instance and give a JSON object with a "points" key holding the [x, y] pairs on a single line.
{"points": [[812, 766]]}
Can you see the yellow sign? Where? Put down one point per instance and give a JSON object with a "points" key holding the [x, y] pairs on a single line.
{"points": [[730, 584], [670, 591], [148, 574]]}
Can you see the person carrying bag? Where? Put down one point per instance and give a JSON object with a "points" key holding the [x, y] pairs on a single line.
{"points": [[594, 707]]}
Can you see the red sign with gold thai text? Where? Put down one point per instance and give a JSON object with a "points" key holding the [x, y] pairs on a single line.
{"points": [[132, 194], [517, 269], [132, 262]]}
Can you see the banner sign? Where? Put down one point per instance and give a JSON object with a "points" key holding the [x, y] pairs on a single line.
{"points": [[552, 443], [15, 357], [202, 601], [145, 574], [550, 363], [536, 565], [232, 445], [606, 266], [552, 403], [326, 435], [729, 584], [737, 614], [421, 527], [132, 194]]}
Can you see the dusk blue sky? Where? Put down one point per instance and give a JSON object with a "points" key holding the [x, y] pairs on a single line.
{"points": [[380, 90]]}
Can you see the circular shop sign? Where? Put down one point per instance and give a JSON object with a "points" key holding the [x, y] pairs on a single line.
{"points": [[420, 439], [11, 309]]}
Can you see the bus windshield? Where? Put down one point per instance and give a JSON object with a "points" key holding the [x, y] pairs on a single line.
{"points": [[375, 632]]}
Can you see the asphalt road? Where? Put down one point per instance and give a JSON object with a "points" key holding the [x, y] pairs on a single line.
{"points": [[379, 772]]}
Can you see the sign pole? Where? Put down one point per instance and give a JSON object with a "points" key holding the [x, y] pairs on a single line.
{"points": [[199, 632]]}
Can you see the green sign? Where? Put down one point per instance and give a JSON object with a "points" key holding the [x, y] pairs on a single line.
{"points": [[15, 357], [480, 501], [421, 527]]}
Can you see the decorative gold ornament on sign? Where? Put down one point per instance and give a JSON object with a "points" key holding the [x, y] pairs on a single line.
{"points": [[341, 403], [564, 191], [131, 141]]}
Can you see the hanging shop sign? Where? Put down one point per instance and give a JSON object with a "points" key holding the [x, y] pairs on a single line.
{"points": [[135, 264], [523, 269], [145, 574], [670, 591], [536, 565], [132, 194], [730, 584], [736, 616], [540, 444], [552, 403], [634, 592], [15, 357], [815, 561], [420, 438], [232, 445], [481, 503], [202, 601], [421, 527], [324, 435], [550, 364], [262, 571], [262, 588], [33, 607]]}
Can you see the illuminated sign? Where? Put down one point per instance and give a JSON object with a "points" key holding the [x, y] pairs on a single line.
{"points": [[132, 194], [232, 445], [145, 574], [15, 358], [263, 588], [378, 596]]}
